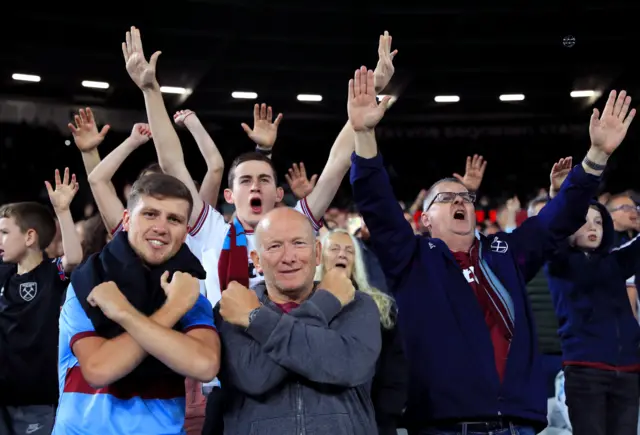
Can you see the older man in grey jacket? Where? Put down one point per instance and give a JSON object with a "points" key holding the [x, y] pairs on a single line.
{"points": [[297, 358]]}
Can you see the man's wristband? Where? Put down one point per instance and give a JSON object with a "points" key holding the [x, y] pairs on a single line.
{"points": [[593, 165], [253, 314], [264, 151]]}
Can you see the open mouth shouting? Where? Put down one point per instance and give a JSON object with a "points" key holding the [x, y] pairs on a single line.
{"points": [[592, 237], [460, 214], [255, 203]]}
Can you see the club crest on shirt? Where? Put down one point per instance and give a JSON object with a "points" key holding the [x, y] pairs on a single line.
{"points": [[28, 291], [499, 246]]}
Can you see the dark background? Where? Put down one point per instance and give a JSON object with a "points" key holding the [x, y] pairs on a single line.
{"points": [[282, 48]]}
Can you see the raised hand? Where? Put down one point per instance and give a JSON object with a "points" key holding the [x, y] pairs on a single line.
{"points": [[363, 109], [559, 173], [85, 131], [264, 132], [384, 69], [473, 173], [236, 304], [64, 191], [609, 129], [181, 115], [142, 73], [297, 180], [108, 297], [140, 134], [183, 290]]}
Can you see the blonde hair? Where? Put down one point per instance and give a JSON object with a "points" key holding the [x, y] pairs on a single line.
{"points": [[384, 302]]}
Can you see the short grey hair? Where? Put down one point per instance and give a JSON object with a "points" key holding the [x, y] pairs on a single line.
{"points": [[431, 192]]}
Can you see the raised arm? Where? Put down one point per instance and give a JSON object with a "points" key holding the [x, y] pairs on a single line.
{"points": [[61, 197], [392, 238], [540, 235], [109, 205], [628, 256], [210, 187], [167, 143]]}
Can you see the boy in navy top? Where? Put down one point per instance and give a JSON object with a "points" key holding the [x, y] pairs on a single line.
{"points": [[599, 333], [463, 377], [31, 290]]}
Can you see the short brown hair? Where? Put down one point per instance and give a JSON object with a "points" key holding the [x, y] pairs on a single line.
{"points": [[153, 168], [32, 216], [159, 186], [249, 157]]}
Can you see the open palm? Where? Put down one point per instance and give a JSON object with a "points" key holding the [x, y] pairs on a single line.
{"points": [[364, 111], [265, 130], [559, 173], [142, 73], [64, 191], [609, 129], [85, 131]]}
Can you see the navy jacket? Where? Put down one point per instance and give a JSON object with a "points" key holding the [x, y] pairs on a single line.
{"points": [[449, 349], [596, 322]]}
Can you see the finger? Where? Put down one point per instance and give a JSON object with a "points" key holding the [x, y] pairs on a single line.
{"points": [[49, 188], [303, 170], [134, 40], [105, 130], [595, 117], [164, 279], [269, 114], [246, 128], [393, 54], [153, 60], [386, 42], [72, 128], [384, 104], [483, 166], [256, 113], [65, 179], [625, 108], [92, 301], [125, 52], [278, 119], [296, 170], [78, 121], [139, 41], [370, 84], [477, 161], [468, 165], [363, 80], [554, 168], [458, 177], [288, 179], [569, 161], [57, 178], [617, 108], [629, 118], [128, 43], [313, 180], [263, 111], [90, 116], [381, 46], [83, 116], [356, 83], [351, 91], [608, 107]]}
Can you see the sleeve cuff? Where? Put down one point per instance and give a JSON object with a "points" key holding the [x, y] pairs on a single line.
{"points": [[263, 324], [373, 162], [317, 224], [326, 303], [202, 217]]}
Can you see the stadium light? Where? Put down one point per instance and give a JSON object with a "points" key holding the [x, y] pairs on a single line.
{"points": [[95, 85], [26, 77], [511, 97], [243, 95], [447, 99], [309, 97]]}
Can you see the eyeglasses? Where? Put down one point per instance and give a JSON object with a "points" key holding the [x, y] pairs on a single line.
{"points": [[626, 207], [449, 197]]}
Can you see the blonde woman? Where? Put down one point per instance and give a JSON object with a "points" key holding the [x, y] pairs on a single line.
{"points": [[389, 389]]}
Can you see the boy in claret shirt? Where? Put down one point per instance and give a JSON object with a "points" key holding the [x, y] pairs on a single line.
{"points": [[599, 332]]}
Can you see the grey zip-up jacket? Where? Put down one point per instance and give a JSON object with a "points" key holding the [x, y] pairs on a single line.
{"points": [[306, 372]]}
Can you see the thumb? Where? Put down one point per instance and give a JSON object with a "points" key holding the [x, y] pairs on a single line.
{"points": [[105, 130], [458, 177], [164, 280], [595, 117], [154, 59], [313, 179], [246, 128], [384, 104]]}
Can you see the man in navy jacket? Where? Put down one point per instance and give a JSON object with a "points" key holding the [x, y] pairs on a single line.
{"points": [[461, 296]]}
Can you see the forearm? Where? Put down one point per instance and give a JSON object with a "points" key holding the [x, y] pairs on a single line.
{"points": [[119, 356], [71, 245], [165, 138], [91, 159], [106, 169], [176, 350], [210, 187], [366, 146], [334, 171]]}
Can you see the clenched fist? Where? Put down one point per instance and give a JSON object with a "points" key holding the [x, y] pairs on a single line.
{"points": [[339, 285], [108, 297], [183, 290], [236, 303]]}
